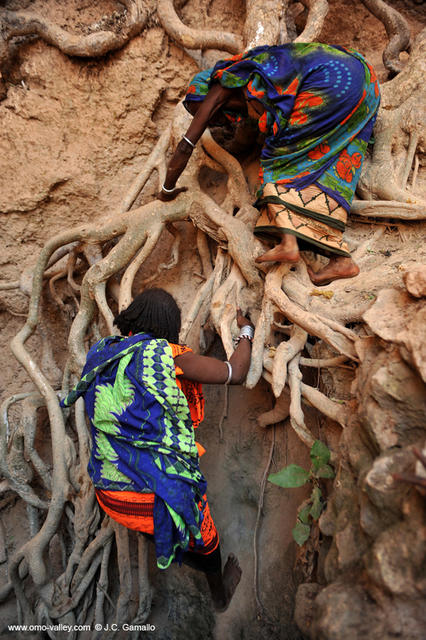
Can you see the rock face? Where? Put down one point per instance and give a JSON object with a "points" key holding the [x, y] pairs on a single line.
{"points": [[415, 281], [400, 320], [374, 571]]}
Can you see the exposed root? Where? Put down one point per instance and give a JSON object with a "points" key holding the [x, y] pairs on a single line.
{"points": [[397, 30], [297, 419], [278, 413], [335, 410], [260, 606], [102, 586], [194, 38], [391, 209], [125, 573], [204, 253], [8, 286], [311, 323], [145, 591], [20, 23], [265, 22], [318, 10], [285, 352], [398, 133]]}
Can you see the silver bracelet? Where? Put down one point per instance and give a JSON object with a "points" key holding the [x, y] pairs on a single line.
{"points": [[163, 188], [228, 364], [247, 331], [188, 141]]}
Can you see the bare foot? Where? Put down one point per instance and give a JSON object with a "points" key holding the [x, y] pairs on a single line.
{"points": [[231, 578], [336, 269], [280, 254]]}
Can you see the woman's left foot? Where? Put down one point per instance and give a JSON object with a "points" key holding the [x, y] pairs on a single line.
{"points": [[337, 268], [231, 578], [279, 254]]}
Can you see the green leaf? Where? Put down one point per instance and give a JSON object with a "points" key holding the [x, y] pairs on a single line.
{"points": [[320, 454], [301, 532], [317, 505], [303, 514], [325, 472], [290, 477]]}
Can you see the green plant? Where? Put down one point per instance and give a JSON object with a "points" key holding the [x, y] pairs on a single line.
{"points": [[294, 476]]}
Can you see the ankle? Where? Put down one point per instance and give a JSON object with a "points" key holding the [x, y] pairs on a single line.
{"points": [[289, 242]]}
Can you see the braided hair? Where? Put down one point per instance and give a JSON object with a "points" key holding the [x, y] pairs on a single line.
{"points": [[154, 312]]}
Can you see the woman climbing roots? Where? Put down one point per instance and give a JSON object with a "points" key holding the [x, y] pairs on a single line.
{"points": [[316, 105], [142, 392]]}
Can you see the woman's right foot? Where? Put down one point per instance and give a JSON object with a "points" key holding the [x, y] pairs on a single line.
{"points": [[337, 268]]}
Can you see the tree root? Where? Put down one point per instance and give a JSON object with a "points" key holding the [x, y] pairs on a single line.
{"points": [[95, 44], [195, 38], [317, 12], [125, 574], [260, 607], [145, 591], [398, 132], [397, 30], [264, 22]]}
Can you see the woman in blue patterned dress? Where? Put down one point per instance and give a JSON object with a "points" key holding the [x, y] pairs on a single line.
{"points": [[143, 396], [316, 105]]}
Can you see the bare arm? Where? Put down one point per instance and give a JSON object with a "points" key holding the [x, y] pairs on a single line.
{"points": [[213, 371], [215, 99]]}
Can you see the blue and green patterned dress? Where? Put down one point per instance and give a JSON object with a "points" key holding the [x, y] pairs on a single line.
{"points": [[143, 436]]}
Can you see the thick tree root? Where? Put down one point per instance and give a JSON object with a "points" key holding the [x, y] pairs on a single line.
{"points": [[99, 43], [397, 30]]}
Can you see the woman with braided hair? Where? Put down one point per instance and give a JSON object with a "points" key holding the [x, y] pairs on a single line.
{"points": [[143, 396]]}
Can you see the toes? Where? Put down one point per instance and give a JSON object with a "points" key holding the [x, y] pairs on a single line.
{"points": [[233, 560]]}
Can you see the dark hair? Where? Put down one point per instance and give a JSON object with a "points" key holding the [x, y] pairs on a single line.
{"points": [[155, 312]]}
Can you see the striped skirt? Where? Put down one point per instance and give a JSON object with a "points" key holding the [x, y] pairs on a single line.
{"points": [[136, 511]]}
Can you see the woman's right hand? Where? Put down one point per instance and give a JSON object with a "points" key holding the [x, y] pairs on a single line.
{"points": [[243, 321]]}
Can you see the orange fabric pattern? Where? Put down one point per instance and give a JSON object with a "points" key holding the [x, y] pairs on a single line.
{"points": [[132, 509], [136, 511], [193, 390]]}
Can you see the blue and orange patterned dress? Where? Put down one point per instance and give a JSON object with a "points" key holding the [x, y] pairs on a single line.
{"points": [[319, 106]]}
